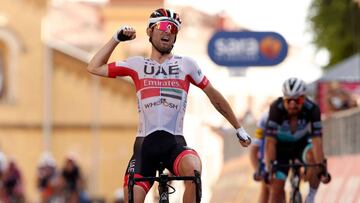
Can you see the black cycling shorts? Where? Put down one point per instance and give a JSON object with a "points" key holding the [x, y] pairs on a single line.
{"points": [[286, 151], [149, 151]]}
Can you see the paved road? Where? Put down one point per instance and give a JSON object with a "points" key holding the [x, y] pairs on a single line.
{"points": [[345, 184], [236, 184]]}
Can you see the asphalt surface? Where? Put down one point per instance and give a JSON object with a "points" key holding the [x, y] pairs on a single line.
{"points": [[236, 183]]}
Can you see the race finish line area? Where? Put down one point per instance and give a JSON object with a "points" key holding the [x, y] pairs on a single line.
{"points": [[236, 183]]}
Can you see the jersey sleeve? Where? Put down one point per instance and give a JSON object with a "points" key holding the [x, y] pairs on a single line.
{"points": [[258, 138], [260, 129], [273, 123], [316, 124], [194, 72], [122, 68]]}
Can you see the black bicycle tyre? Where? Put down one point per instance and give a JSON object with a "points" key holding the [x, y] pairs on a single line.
{"points": [[296, 197]]}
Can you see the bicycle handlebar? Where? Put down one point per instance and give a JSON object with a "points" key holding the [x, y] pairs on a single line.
{"points": [[295, 165], [323, 167], [169, 178]]}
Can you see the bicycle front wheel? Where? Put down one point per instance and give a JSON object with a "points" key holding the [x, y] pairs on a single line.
{"points": [[296, 197]]}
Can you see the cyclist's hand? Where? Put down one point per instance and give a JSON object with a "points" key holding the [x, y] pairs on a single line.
{"points": [[324, 175], [269, 174], [258, 176], [260, 171], [244, 137], [268, 177], [124, 33], [325, 178]]}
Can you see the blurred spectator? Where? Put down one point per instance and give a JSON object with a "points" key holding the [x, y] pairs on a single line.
{"points": [[3, 167], [3, 164], [338, 98], [47, 183], [119, 196], [13, 185], [73, 182]]}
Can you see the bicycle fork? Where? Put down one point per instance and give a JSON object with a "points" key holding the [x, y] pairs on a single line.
{"points": [[163, 189]]}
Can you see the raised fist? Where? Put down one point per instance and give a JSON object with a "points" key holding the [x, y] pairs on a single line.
{"points": [[124, 33]]}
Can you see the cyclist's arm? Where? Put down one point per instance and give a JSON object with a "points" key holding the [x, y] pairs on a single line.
{"points": [[318, 149], [98, 64], [316, 132], [221, 105], [272, 126], [320, 158], [258, 141], [270, 150], [254, 150]]}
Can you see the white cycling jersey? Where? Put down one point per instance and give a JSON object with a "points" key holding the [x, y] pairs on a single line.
{"points": [[161, 90]]}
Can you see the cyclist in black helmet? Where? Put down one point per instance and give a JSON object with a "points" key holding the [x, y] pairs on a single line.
{"points": [[162, 82]]}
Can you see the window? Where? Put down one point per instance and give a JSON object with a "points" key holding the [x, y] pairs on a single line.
{"points": [[2, 89], [10, 48], [3, 56]]}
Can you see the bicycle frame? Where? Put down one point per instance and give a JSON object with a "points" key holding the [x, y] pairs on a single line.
{"points": [[163, 187], [295, 178]]}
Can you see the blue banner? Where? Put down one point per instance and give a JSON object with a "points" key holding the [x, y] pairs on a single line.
{"points": [[243, 49]]}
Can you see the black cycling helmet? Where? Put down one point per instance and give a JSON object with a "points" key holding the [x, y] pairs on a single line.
{"points": [[163, 14]]}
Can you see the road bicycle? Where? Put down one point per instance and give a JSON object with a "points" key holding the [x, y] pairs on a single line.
{"points": [[295, 178], [163, 179]]}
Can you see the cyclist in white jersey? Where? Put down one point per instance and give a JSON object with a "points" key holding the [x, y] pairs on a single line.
{"points": [[257, 157], [162, 82]]}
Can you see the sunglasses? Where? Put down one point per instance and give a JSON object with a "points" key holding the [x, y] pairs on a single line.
{"points": [[297, 100], [165, 26]]}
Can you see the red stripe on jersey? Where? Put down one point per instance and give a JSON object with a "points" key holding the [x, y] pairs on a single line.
{"points": [[174, 83], [150, 92], [114, 71], [201, 85]]}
